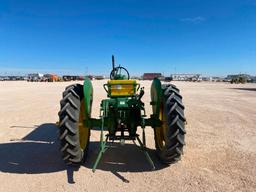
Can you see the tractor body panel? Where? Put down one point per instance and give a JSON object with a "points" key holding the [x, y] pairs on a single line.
{"points": [[121, 88]]}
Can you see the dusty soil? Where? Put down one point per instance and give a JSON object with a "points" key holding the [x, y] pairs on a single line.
{"points": [[220, 154]]}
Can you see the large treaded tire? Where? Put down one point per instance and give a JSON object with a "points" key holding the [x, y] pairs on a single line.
{"points": [[69, 115], [174, 140]]}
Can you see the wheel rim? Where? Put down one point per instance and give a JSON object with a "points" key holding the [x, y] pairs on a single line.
{"points": [[161, 131], [158, 110], [84, 131]]}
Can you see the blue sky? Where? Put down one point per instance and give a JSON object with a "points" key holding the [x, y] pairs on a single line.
{"points": [[216, 37]]}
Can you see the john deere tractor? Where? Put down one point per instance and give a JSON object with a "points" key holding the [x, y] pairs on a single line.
{"points": [[120, 115]]}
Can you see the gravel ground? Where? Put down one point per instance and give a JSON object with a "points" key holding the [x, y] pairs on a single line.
{"points": [[220, 151]]}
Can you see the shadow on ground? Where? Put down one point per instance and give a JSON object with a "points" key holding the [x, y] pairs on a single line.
{"points": [[127, 158], [245, 89], [38, 152], [35, 153]]}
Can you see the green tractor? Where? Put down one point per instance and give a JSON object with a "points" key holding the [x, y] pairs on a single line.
{"points": [[121, 114]]}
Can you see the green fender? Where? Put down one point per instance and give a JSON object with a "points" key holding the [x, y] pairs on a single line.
{"points": [[88, 97], [156, 96]]}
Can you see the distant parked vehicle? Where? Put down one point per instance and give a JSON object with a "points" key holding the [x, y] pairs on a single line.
{"points": [[6, 78], [13, 78], [90, 77], [35, 77], [50, 78], [99, 77], [151, 76], [186, 77], [72, 78], [238, 79], [168, 79]]}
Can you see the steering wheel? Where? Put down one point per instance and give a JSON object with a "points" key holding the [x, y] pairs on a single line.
{"points": [[116, 73]]}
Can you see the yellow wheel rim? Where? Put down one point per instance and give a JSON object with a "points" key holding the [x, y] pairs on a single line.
{"points": [[84, 131], [161, 131]]}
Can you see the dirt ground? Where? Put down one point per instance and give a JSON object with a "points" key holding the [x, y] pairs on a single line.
{"points": [[220, 151]]}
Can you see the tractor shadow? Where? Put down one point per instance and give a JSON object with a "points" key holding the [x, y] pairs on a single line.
{"points": [[118, 158], [38, 152], [35, 153]]}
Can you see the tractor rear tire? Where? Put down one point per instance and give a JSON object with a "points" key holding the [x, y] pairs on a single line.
{"points": [[73, 143], [169, 145]]}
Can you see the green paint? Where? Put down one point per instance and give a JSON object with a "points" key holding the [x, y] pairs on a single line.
{"points": [[88, 97], [156, 96]]}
